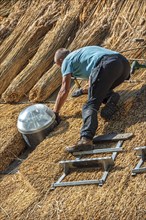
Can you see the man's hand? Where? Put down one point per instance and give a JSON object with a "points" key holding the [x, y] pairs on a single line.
{"points": [[77, 93], [80, 92], [58, 118]]}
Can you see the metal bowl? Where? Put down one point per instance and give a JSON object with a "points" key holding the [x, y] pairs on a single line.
{"points": [[35, 122]]}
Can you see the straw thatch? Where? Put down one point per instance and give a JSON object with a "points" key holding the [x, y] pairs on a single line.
{"points": [[12, 143], [100, 35], [42, 59], [47, 84], [24, 23], [6, 6], [90, 27], [122, 196], [26, 48], [51, 80], [8, 23], [26, 194]]}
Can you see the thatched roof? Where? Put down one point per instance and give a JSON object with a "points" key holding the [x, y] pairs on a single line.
{"points": [[27, 194]]}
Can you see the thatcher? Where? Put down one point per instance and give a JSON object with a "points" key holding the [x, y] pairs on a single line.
{"points": [[26, 194]]}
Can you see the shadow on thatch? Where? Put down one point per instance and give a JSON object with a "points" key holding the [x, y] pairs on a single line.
{"points": [[130, 100], [130, 111], [60, 129]]}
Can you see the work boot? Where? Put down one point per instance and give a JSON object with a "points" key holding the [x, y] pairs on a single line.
{"points": [[83, 145], [136, 65], [111, 107]]}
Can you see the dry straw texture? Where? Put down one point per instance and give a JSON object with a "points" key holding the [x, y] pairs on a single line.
{"points": [[27, 70]]}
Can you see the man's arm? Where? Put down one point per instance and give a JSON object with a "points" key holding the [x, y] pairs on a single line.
{"points": [[63, 93]]}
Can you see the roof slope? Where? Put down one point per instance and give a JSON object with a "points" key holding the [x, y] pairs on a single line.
{"points": [[27, 194]]}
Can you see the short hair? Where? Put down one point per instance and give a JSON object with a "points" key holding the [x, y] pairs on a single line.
{"points": [[61, 54]]}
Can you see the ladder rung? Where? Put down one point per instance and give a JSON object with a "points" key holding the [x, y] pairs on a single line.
{"points": [[112, 137], [139, 170], [141, 150], [77, 183], [98, 151], [85, 163]]}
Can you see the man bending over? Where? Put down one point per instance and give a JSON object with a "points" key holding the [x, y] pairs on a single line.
{"points": [[105, 69]]}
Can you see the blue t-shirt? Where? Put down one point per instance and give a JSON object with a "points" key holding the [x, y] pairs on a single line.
{"points": [[81, 62]]}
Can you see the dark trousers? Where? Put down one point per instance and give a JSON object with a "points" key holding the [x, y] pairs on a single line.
{"points": [[109, 72]]}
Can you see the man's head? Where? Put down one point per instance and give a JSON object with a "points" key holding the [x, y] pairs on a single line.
{"points": [[60, 55]]}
